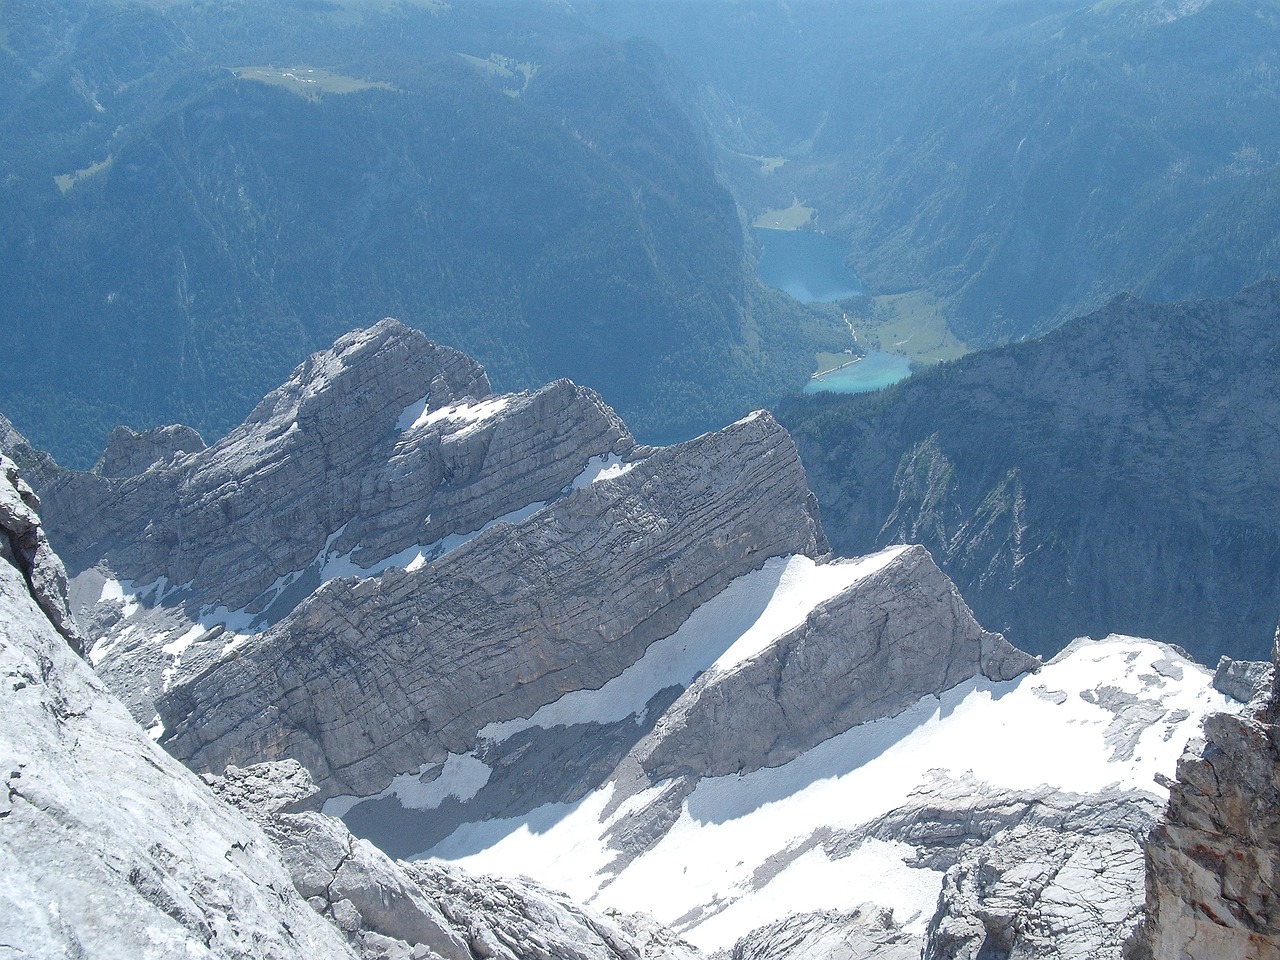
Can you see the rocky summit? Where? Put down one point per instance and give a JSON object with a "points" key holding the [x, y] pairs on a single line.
{"points": [[498, 638]]}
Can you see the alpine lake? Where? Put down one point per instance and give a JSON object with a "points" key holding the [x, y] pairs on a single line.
{"points": [[810, 267]]}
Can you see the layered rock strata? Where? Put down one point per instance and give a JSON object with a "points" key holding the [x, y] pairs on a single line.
{"points": [[1213, 862], [385, 450], [371, 678]]}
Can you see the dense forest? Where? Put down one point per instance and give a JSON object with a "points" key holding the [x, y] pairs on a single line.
{"points": [[1023, 162], [196, 196]]}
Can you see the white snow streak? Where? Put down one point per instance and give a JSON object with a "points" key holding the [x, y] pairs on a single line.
{"points": [[743, 619]]}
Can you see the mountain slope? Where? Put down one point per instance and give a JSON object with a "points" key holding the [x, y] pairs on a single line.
{"points": [[651, 686], [1119, 473], [189, 213], [1022, 162]]}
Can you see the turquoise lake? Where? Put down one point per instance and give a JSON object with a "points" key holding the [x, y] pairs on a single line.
{"points": [[809, 266], [875, 371]]}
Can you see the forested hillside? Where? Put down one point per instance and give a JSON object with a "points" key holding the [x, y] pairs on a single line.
{"points": [[194, 197], [1122, 473], [1021, 162]]}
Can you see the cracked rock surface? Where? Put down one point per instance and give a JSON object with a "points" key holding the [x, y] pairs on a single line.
{"points": [[1213, 862], [108, 846]]}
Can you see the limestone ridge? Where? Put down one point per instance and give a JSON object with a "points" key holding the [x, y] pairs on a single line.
{"points": [[24, 545], [384, 450], [370, 678], [1213, 862], [129, 453], [900, 634]]}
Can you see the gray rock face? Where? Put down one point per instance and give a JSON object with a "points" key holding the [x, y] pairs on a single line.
{"points": [[375, 677], [1243, 680], [394, 909], [382, 451], [129, 454], [1213, 862], [1050, 875], [24, 545], [1038, 475], [36, 465], [865, 934], [901, 634], [108, 846]]}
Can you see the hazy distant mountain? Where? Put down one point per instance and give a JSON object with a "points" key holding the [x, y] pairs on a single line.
{"points": [[1121, 473], [194, 198], [1023, 161]]}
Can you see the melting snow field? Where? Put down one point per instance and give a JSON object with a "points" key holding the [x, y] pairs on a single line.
{"points": [[1117, 711]]}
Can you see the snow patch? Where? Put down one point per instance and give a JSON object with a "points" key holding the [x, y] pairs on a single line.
{"points": [[461, 418], [743, 619], [410, 414], [600, 468], [462, 776], [743, 847]]}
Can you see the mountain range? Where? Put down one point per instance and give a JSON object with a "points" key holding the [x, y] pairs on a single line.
{"points": [[497, 632]]}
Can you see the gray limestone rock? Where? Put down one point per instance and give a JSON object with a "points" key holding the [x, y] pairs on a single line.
{"points": [[390, 908], [129, 454], [898, 635], [1046, 875], [375, 677], [514, 919], [385, 450], [868, 933], [1243, 680], [1213, 861], [23, 544], [37, 466], [108, 846]]}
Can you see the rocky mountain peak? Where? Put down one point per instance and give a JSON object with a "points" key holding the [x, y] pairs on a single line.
{"points": [[129, 453]]}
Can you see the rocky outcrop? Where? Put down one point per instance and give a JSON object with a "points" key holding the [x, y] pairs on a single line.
{"points": [[24, 545], [390, 908], [1213, 862], [371, 678], [1040, 874], [108, 846], [37, 466], [900, 634], [129, 454], [386, 450], [1038, 475], [868, 933]]}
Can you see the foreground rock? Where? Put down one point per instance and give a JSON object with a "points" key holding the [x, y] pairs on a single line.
{"points": [[390, 908], [1213, 863], [108, 846]]}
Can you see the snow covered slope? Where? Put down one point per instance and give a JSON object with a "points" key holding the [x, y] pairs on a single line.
{"points": [[879, 813]]}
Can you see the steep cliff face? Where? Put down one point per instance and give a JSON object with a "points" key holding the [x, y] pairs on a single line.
{"points": [[1119, 474], [1213, 862], [374, 677], [384, 451]]}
